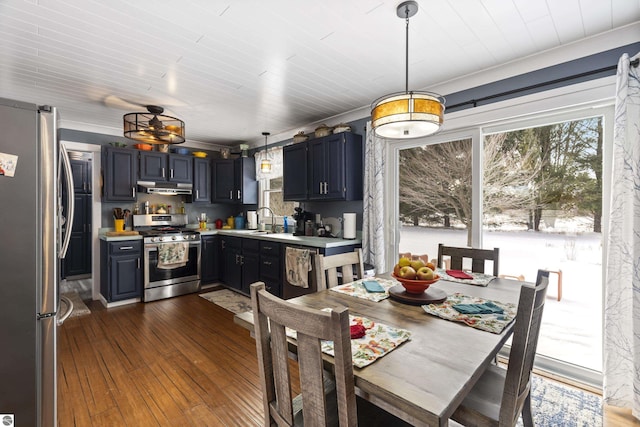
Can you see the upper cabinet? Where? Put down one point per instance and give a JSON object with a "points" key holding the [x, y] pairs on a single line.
{"points": [[156, 166], [201, 180], [234, 181], [120, 174], [333, 168], [294, 185]]}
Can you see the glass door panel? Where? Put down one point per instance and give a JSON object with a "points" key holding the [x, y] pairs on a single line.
{"points": [[434, 196], [542, 206]]}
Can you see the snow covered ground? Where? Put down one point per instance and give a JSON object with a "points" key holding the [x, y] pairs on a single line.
{"points": [[572, 328]]}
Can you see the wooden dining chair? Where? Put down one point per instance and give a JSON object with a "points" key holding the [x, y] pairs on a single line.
{"points": [[477, 256], [500, 396], [316, 403], [326, 268], [326, 398]]}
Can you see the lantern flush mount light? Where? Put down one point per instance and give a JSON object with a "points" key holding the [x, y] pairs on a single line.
{"points": [[408, 114], [154, 127], [265, 164]]}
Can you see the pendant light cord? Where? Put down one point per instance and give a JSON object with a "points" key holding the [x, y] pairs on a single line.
{"points": [[406, 52]]}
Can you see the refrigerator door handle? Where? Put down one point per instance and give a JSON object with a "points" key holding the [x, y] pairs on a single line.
{"points": [[66, 164], [62, 317]]}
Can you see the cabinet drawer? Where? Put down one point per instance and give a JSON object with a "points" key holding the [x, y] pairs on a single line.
{"points": [[270, 267], [250, 245], [270, 248], [125, 247]]}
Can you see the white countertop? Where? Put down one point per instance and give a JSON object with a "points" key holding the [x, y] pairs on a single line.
{"points": [[311, 241]]}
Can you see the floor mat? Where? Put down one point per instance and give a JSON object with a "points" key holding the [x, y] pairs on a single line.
{"points": [[554, 404], [79, 307], [229, 300]]}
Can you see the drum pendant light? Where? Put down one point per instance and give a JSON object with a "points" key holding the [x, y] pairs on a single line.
{"points": [[154, 127], [265, 164], [408, 114]]}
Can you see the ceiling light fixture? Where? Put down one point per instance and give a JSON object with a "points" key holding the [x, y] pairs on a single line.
{"points": [[153, 127], [265, 164], [405, 115]]}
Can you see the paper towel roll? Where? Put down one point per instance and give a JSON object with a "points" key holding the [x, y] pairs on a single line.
{"points": [[349, 226], [252, 220]]}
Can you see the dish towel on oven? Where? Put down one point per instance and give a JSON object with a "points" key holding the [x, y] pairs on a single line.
{"points": [[173, 255], [298, 266]]}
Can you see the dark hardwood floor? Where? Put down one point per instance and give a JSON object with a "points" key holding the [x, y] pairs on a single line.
{"points": [[180, 361], [175, 362]]}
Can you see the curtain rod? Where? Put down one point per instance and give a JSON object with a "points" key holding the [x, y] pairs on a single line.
{"points": [[474, 102]]}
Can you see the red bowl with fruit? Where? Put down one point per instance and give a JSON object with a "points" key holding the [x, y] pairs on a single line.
{"points": [[416, 286]]}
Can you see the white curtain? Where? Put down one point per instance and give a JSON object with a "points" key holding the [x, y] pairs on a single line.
{"points": [[373, 244], [622, 284], [275, 155]]}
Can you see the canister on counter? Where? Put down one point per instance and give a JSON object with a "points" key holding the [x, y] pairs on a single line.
{"points": [[308, 228]]}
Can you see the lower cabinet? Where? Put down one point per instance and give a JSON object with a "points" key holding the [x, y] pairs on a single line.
{"points": [[121, 270], [271, 266], [210, 259], [246, 260], [241, 262]]}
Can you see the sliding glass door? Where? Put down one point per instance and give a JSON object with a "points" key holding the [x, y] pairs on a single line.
{"points": [[533, 188]]}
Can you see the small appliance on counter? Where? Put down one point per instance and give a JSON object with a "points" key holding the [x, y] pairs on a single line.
{"points": [[301, 216]]}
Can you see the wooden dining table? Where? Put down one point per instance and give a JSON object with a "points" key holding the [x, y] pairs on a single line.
{"points": [[425, 379]]}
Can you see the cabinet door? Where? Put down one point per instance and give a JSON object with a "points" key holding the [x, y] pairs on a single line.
{"points": [[180, 168], [210, 259], [201, 180], [246, 186], [316, 164], [120, 175], [126, 277], [334, 167], [250, 270], [223, 181], [232, 267], [294, 172], [153, 166]]}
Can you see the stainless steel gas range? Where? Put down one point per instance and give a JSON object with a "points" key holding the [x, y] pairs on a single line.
{"points": [[171, 255]]}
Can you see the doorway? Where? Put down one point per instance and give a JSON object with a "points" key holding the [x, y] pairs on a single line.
{"points": [[88, 284]]}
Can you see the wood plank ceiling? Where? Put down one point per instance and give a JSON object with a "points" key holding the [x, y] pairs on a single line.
{"points": [[233, 69]]}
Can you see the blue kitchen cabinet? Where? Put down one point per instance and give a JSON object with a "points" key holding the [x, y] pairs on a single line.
{"points": [[156, 166], [294, 185], [201, 180], [331, 169], [120, 174], [210, 259], [121, 270], [234, 181]]}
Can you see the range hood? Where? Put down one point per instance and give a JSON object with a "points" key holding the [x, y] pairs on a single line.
{"points": [[164, 188]]}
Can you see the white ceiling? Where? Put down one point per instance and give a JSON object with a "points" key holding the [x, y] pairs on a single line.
{"points": [[234, 69]]}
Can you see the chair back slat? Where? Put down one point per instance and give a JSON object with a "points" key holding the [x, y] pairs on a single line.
{"points": [[272, 316], [326, 268], [523, 349], [478, 258]]}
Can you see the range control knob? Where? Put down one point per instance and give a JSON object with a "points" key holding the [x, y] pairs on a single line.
{"points": [[173, 237]]}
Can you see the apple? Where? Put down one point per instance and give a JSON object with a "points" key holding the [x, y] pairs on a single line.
{"points": [[424, 273], [407, 272], [417, 264], [396, 269], [404, 261]]}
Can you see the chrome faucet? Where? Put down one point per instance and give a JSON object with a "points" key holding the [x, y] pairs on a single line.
{"points": [[273, 217]]}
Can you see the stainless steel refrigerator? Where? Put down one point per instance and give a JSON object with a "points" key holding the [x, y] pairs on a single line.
{"points": [[33, 167]]}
